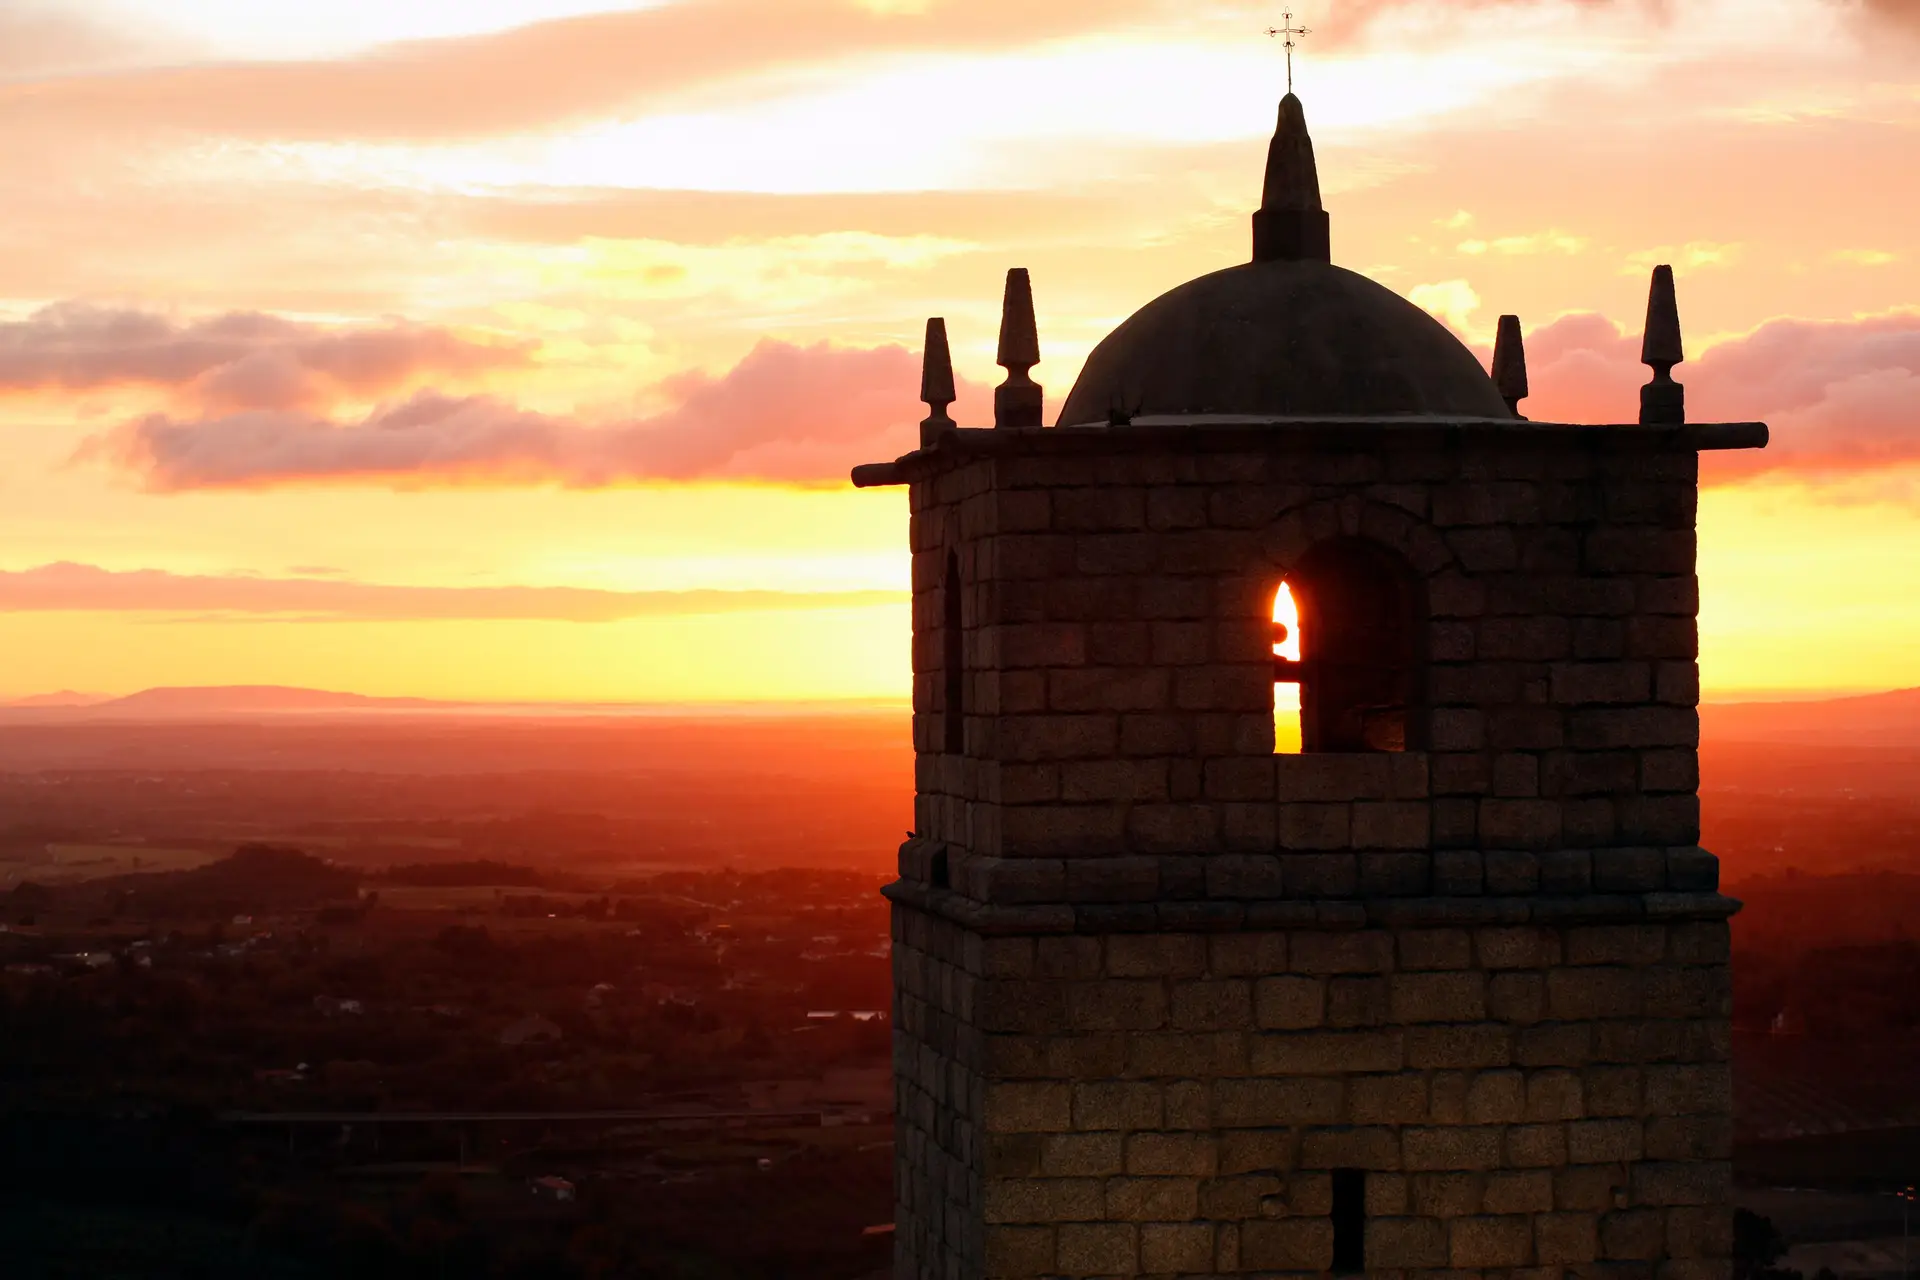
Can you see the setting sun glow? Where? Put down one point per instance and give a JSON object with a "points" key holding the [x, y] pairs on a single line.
{"points": [[1286, 697], [318, 368]]}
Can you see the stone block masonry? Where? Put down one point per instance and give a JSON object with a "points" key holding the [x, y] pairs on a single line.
{"points": [[939, 1097], [1168, 1004], [1118, 685], [1175, 1104]]}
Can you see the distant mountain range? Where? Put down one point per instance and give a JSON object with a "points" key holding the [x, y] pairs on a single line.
{"points": [[1873, 720], [64, 698], [1880, 719], [260, 697], [243, 702]]}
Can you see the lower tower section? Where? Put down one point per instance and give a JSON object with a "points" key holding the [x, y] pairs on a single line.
{"points": [[1471, 1087]]}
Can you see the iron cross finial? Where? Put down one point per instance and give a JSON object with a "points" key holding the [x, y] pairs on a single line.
{"points": [[1289, 31]]}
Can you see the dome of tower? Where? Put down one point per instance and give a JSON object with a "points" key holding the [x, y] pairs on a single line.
{"points": [[1287, 335], [1282, 339]]}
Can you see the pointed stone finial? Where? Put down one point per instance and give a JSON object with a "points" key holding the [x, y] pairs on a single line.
{"points": [[1510, 363], [1291, 225], [1017, 401], [1663, 400], [936, 383]]}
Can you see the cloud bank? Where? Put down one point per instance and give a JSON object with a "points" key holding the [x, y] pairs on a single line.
{"points": [[547, 74], [1348, 19], [241, 360], [785, 413], [1841, 396], [1906, 12], [83, 587], [39, 42]]}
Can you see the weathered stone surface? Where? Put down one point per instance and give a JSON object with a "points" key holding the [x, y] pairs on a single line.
{"points": [[1297, 1244], [1169, 1247], [1290, 1003], [1406, 1243], [1530, 1191], [1505, 1241], [1094, 1249], [1455, 1147]]}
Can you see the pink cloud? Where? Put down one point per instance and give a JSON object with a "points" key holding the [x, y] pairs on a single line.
{"points": [[1349, 19], [1900, 11], [241, 360], [85, 587], [787, 413], [1840, 395]]}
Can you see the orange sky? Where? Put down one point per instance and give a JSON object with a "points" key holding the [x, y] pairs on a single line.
{"points": [[519, 348]]}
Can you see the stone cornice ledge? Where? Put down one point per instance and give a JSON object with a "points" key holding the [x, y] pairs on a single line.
{"points": [[1213, 433], [1330, 914]]}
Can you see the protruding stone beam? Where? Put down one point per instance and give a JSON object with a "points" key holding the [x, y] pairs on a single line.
{"points": [[1510, 363], [878, 475], [936, 383], [1662, 401], [1017, 401]]}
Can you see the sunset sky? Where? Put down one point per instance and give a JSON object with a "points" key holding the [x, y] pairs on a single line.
{"points": [[518, 349]]}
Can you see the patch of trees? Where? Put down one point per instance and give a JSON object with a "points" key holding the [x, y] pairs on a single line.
{"points": [[476, 873], [255, 878], [1831, 992], [27, 901], [1796, 911], [1758, 1248]]}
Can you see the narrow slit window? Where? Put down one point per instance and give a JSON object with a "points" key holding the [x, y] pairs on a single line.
{"points": [[1286, 693], [953, 659], [1349, 1220]]}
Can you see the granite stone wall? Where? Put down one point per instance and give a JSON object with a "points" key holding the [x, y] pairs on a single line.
{"points": [[1119, 683], [1156, 985], [939, 1099], [1529, 1100]]}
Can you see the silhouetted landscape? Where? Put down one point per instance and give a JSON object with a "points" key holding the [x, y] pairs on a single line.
{"points": [[643, 954], [578, 792], [303, 991]]}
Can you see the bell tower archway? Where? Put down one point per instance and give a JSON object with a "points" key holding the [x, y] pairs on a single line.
{"points": [[1362, 622]]}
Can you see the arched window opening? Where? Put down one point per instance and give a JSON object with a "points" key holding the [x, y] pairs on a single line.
{"points": [[953, 660], [1357, 662]]}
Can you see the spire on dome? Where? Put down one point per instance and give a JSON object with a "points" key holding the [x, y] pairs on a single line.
{"points": [[1293, 180], [1291, 225]]}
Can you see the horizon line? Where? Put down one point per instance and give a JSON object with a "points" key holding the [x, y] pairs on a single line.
{"points": [[399, 704]]}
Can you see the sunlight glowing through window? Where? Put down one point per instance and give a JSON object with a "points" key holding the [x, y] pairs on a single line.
{"points": [[1286, 697]]}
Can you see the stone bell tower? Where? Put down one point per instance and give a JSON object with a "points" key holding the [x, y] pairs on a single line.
{"points": [[1444, 991]]}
